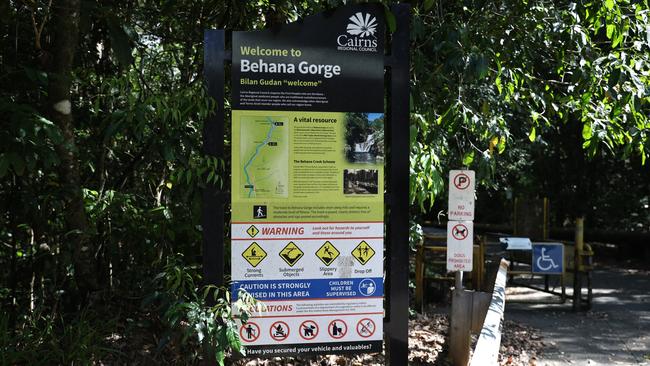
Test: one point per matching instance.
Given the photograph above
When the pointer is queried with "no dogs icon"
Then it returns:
(459, 232)
(308, 330)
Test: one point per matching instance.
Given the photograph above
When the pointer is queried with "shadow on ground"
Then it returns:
(615, 332)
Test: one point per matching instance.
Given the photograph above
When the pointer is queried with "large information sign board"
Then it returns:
(308, 182)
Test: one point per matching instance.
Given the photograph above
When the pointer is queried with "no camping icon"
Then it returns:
(279, 331)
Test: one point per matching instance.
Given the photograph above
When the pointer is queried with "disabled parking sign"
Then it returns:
(548, 258)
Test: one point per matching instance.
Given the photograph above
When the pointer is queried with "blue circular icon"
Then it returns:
(367, 287)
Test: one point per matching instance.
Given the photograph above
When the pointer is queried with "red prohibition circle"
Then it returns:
(459, 234)
(340, 332)
(308, 330)
(461, 183)
(274, 331)
(249, 332)
(366, 327)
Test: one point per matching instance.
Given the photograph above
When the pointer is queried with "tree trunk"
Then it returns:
(66, 26)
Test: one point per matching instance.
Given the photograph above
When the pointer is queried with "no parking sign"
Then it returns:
(461, 195)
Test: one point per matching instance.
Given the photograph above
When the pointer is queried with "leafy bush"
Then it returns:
(200, 318)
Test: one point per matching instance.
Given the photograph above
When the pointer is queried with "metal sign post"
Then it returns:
(460, 240)
(398, 189)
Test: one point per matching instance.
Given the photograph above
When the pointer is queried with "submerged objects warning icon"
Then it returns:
(327, 253)
(252, 231)
(291, 253)
(254, 254)
(363, 252)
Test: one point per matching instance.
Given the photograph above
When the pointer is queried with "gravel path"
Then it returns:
(615, 332)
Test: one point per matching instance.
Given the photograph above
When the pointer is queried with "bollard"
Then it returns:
(577, 263)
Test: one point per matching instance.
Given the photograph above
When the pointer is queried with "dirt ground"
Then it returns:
(520, 345)
(616, 331)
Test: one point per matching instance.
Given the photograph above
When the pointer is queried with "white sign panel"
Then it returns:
(321, 285)
(460, 236)
(461, 195)
(513, 243)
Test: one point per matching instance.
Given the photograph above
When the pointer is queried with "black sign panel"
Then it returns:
(328, 62)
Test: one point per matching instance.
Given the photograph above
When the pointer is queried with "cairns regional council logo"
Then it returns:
(360, 34)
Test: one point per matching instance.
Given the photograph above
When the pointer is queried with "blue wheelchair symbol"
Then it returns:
(548, 258)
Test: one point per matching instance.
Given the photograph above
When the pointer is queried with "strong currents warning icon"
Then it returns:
(254, 254)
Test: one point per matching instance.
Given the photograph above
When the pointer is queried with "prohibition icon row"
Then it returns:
(308, 330)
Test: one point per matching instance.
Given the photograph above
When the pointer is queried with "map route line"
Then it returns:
(257, 151)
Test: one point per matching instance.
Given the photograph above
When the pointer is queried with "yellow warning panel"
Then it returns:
(327, 253)
(254, 254)
(363, 252)
(252, 231)
(291, 253)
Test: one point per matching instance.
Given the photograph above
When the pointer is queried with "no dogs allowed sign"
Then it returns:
(460, 236)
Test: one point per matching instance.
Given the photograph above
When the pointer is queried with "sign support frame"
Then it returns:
(214, 199)
(212, 211)
(396, 320)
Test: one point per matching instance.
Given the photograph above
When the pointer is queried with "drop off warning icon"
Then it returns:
(363, 252)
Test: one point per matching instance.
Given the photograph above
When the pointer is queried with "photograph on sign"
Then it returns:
(308, 182)
(461, 195)
(460, 241)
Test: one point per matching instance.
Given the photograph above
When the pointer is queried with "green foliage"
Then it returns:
(491, 74)
(202, 316)
(521, 92)
(27, 140)
(44, 339)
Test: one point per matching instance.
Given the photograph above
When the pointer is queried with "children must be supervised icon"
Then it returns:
(367, 287)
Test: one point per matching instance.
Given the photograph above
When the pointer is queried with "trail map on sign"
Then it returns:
(265, 154)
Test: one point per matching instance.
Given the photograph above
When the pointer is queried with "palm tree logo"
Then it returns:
(362, 26)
